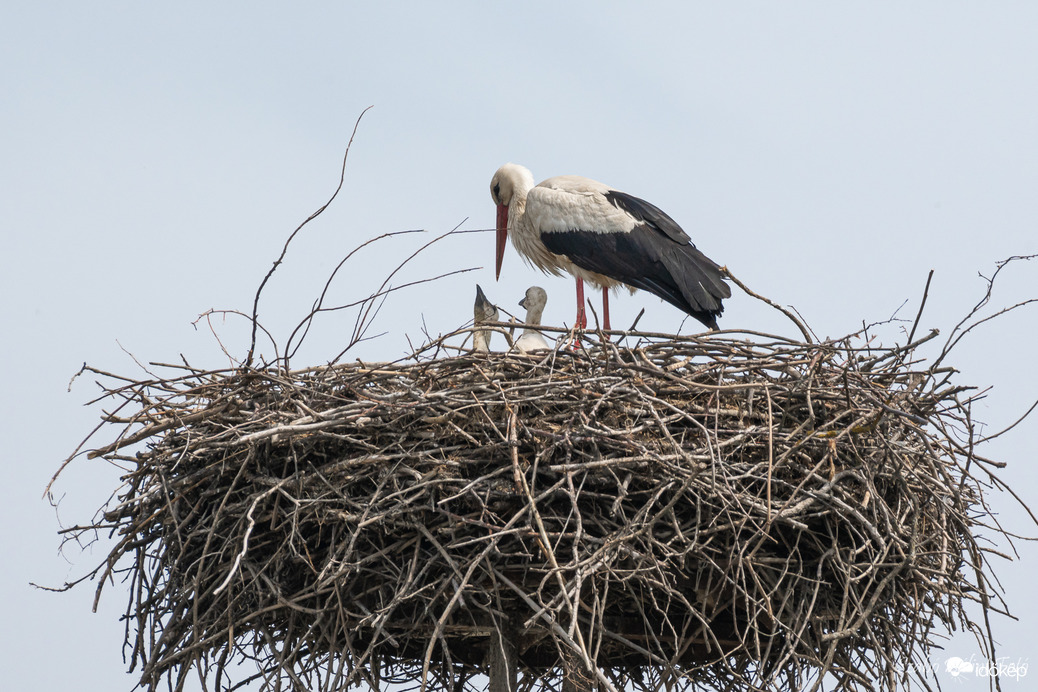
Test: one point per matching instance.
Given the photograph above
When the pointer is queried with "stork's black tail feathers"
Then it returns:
(691, 282)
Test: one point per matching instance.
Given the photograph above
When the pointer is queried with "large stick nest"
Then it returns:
(702, 511)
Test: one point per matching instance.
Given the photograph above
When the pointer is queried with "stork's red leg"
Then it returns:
(605, 309)
(581, 317)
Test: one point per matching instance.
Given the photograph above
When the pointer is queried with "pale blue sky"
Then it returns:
(153, 159)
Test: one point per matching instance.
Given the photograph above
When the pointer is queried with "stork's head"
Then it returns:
(508, 187)
(483, 310)
(535, 299)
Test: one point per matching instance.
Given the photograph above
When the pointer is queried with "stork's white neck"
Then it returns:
(481, 341)
(533, 315)
(522, 182)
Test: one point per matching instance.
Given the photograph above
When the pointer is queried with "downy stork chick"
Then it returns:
(534, 302)
(483, 311)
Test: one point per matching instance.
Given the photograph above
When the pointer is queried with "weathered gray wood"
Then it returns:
(575, 677)
(501, 654)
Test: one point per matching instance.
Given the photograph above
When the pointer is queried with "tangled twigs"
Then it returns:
(678, 512)
(284, 250)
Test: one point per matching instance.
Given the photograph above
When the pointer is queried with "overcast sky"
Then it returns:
(154, 159)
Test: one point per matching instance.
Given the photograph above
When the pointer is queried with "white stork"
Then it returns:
(482, 311)
(534, 301)
(605, 237)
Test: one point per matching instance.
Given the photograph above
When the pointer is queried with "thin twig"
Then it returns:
(284, 250)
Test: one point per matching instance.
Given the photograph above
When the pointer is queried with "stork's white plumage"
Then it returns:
(575, 225)
(532, 340)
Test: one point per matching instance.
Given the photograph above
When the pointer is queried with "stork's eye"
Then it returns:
(497, 192)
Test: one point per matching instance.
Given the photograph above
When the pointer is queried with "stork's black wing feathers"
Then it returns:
(649, 214)
(656, 256)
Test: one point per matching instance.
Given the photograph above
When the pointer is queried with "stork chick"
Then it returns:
(534, 302)
(483, 311)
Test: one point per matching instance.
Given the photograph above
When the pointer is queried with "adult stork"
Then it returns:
(606, 237)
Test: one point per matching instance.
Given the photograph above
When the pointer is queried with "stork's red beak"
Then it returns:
(502, 235)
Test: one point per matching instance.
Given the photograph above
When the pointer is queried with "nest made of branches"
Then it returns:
(710, 511)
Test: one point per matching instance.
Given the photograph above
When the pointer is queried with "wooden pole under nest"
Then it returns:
(575, 677)
(504, 673)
